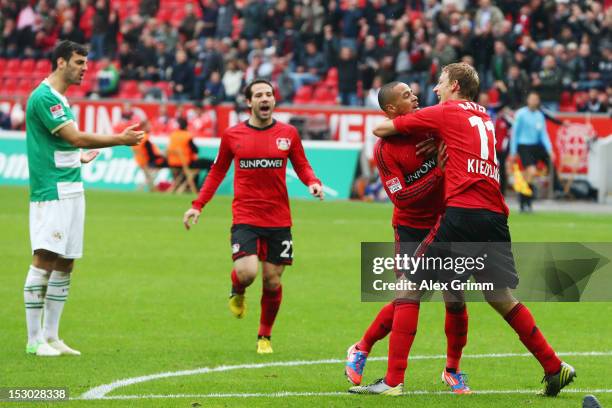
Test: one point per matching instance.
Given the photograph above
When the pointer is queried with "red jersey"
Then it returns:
(414, 185)
(260, 162)
(471, 173)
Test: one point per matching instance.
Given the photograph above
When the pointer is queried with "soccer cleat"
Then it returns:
(590, 401)
(42, 349)
(237, 305)
(60, 346)
(355, 363)
(554, 383)
(378, 387)
(264, 345)
(456, 381)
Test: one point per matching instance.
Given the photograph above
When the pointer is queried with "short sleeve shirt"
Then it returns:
(54, 164)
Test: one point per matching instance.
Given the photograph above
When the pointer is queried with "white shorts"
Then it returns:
(58, 225)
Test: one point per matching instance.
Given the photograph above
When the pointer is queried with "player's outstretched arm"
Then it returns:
(316, 190)
(385, 128)
(129, 137)
(191, 217)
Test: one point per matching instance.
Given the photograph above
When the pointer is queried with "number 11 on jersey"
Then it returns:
(483, 127)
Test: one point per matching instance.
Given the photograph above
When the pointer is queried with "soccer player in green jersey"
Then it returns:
(57, 202)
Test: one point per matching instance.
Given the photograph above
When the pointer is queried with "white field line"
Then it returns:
(334, 394)
(101, 391)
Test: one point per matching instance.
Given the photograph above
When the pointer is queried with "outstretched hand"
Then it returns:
(130, 136)
(191, 217)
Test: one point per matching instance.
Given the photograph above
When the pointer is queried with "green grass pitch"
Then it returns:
(150, 297)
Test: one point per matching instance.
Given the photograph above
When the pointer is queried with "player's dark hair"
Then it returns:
(248, 90)
(64, 50)
(182, 123)
(386, 94)
(466, 76)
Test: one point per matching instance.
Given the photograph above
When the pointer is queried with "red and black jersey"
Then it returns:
(471, 173)
(414, 185)
(260, 162)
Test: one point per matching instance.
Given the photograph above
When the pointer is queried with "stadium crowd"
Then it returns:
(324, 51)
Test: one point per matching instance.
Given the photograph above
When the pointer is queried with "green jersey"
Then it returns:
(54, 164)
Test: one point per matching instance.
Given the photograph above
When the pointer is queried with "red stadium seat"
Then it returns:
(42, 68)
(27, 68)
(3, 63)
(567, 103)
(177, 17)
(164, 15)
(129, 90)
(25, 87)
(12, 68)
(9, 87)
(324, 95)
(303, 95)
(332, 75)
(76, 92)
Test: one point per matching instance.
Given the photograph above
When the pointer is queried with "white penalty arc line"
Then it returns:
(101, 391)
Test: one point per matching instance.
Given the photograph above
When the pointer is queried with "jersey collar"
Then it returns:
(56, 93)
(246, 122)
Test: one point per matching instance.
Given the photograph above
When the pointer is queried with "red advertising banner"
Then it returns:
(342, 124)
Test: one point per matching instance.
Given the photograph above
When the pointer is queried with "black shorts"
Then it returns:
(409, 234)
(531, 154)
(273, 245)
(474, 233)
(407, 240)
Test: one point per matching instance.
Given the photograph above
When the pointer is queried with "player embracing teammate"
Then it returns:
(475, 212)
(413, 180)
(261, 227)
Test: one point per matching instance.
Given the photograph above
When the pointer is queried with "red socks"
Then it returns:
(456, 329)
(237, 287)
(270, 303)
(380, 327)
(405, 321)
(521, 320)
